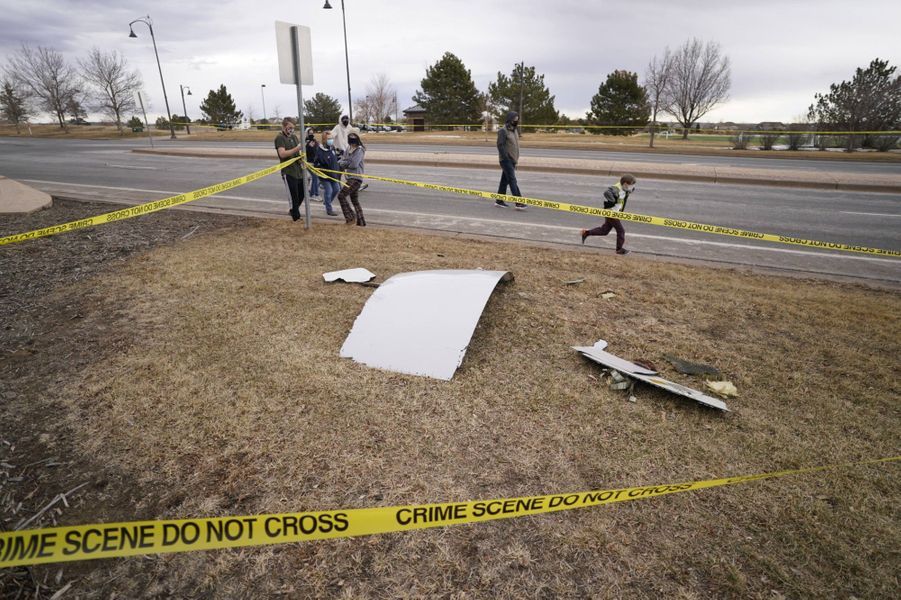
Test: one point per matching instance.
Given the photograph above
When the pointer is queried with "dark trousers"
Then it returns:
(508, 177)
(607, 226)
(295, 190)
(352, 214)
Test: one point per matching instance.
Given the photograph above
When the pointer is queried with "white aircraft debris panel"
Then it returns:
(420, 323)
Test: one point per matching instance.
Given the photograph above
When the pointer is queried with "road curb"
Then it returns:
(765, 177)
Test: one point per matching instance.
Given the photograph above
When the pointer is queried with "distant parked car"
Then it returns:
(78, 121)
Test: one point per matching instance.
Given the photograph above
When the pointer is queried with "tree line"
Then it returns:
(685, 83)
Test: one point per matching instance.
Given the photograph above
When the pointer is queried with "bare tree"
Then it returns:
(380, 95)
(657, 80)
(13, 103)
(112, 84)
(700, 81)
(47, 76)
(363, 110)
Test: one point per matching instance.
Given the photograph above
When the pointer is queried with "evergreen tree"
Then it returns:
(12, 104)
(322, 108)
(219, 108)
(523, 83)
(448, 93)
(620, 101)
(871, 101)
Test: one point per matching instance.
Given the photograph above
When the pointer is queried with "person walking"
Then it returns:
(327, 158)
(288, 146)
(352, 165)
(508, 154)
(341, 132)
(615, 198)
(311, 144)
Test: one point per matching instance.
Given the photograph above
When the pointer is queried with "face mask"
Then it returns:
(330, 142)
(628, 188)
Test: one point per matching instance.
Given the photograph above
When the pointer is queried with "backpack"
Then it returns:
(610, 197)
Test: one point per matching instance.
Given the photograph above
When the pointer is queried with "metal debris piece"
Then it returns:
(723, 388)
(690, 368)
(574, 282)
(597, 354)
(421, 323)
(607, 295)
(358, 275)
(618, 381)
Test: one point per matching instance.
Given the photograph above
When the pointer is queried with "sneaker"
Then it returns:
(331, 213)
(295, 214)
(316, 199)
(584, 234)
(501, 204)
(519, 206)
(622, 251)
(364, 186)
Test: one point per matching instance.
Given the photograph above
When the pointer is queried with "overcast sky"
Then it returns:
(782, 51)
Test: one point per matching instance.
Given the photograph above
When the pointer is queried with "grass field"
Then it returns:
(216, 389)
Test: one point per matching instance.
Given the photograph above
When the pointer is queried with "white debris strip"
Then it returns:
(358, 275)
(598, 355)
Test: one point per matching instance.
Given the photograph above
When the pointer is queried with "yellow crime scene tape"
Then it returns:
(638, 218)
(156, 205)
(111, 540)
(143, 209)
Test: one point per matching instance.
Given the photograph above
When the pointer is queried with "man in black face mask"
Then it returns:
(508, 154)
(340, 133)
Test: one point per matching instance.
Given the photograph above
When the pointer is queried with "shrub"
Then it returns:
(768, 139)
(739, 141)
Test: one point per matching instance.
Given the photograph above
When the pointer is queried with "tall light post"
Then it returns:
(263, 94)
(183, 107)
(146, 21)
(350, 104)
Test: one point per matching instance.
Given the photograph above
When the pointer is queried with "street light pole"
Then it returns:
(522, 84)
(263, 94)
(350, 104)
(183, 107)
(152, 37)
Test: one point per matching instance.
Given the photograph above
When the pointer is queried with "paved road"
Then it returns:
(101, 170)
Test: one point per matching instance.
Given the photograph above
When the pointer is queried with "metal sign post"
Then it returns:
(296, 66)
(295, 45)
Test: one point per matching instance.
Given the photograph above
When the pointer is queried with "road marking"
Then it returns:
(132, 167)
(407, 214)
(848, 212)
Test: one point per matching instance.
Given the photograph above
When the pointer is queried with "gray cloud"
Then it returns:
(781, 52)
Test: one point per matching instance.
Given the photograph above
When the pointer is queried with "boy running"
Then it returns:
(614, 199)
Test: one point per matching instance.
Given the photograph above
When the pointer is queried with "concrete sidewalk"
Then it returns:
(18, 198)
(866, 182)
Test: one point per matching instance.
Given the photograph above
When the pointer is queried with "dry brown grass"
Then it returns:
(231, 399)
(697, 145)
(81, 132)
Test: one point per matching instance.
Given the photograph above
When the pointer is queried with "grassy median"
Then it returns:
(216, 388)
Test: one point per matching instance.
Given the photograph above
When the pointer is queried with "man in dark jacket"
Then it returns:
(508, 154)
(288, 146)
